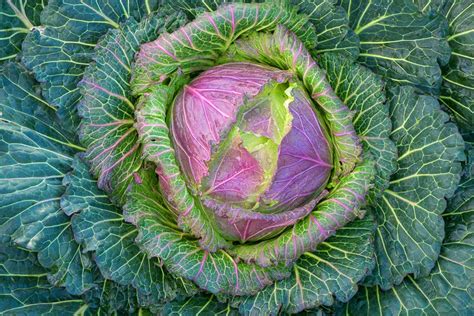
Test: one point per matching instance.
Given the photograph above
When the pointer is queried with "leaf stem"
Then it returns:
(21, 15)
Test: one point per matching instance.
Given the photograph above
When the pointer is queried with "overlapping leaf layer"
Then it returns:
(97, 217)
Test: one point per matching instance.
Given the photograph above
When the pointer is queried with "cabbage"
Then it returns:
(239, 157)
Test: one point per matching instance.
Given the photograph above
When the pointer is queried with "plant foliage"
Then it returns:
(211, 157)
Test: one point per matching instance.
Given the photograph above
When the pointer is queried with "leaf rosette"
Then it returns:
(252, 158)
(247, 156)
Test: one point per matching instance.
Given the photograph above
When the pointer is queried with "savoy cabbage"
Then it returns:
(208, 157)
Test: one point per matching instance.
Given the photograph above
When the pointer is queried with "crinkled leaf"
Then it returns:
(25, 290)
(63, 47)
(457, 91)
(107, 110)
(332, 29)
(362, 91)
(22, 105)
(196, 46)
(330, 21)
(410, 231)
(17, 18)
(447, 290)
(35, 154)
(199, 305)
(317, 278)
(468, 169)
(109, 297)
(98, 225)
(159, 236)
(398, 42)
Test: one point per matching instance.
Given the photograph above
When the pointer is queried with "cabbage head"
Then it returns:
(236, 157)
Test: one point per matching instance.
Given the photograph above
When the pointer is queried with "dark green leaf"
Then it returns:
(332, 26)
(35, 154)
(25, 290)
(199, 305)
(17, 18)
(410, 231)
(63, 47)
(99, 227)
(398, 42)
(457, 91)
(428, 6)
(448, 289)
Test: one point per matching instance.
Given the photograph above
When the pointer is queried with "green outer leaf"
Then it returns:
(283, 49)
(448, 289)
(63, 47)
(341, 206)
(22, 105)
(427, 6)
(362, 91)
(196, 46)
(159, 236)
(199, 305)
(330, 21)
(34, 157)
(398, 42)
(410, 231)
(17, 18)
(157, 148)
(107, 110)
(24, 289)
(111, 298)
(468, 169)
(457, 91)
(98, 225)
(332, 29)
(333, 270)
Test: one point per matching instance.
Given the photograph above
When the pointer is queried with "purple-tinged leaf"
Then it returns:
(107, 109)
(236, 176)
(244, 225)
(206, 108)
(196, 46)
(341, 206)
(154, 135)
(304, 159)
